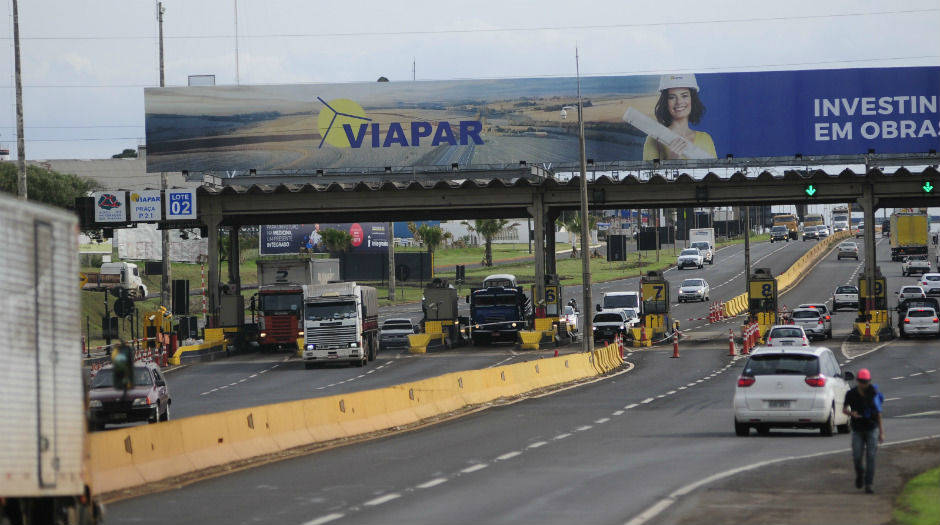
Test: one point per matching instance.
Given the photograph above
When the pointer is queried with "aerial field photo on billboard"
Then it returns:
(503, 121)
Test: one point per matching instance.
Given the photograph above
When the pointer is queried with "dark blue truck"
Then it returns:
(498, 311)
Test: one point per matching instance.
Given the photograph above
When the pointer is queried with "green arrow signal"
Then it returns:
(810, 190)
(927, 187)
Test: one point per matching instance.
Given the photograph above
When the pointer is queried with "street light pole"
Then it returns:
(164, 232)
(587, 340)
(21, 189)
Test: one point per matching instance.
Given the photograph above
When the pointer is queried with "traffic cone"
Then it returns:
(675, 344)
(730, 342)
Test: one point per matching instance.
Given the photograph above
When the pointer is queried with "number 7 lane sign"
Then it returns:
(180, 204)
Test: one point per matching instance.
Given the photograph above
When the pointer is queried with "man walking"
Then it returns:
(863, 404)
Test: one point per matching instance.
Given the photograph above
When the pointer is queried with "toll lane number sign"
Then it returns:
(180, 204)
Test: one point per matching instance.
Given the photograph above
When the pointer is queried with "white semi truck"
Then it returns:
(341, 323)
(116, 276)
(42, 393)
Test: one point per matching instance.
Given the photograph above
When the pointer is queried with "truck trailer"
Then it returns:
(908, 234)
(42, 413)
(278, 306)
(341, 324)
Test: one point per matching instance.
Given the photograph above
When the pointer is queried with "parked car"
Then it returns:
(395, 332)
(786, 335)
(930, 282)
(779, 233)
(694, 290)
(911, 292)
(809, 232)
(814, 322)
(846, 295)
(801, 388)
(847, 250)
(607, 325)
(915, 264)
(149, 399)
(920, 321)
(690, 257)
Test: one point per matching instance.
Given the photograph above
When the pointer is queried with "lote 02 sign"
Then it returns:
(180, 204)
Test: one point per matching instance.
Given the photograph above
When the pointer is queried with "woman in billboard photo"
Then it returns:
(670, 137)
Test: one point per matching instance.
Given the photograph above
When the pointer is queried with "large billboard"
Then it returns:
(473, 122)
(279, 239)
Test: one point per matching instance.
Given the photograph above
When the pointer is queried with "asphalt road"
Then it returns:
(600, 453)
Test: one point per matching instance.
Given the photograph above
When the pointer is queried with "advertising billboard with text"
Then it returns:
(278, 239)
(503, 121)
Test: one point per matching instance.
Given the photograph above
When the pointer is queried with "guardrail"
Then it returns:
(129, 457)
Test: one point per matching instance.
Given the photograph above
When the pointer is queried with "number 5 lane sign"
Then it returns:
(180, 204)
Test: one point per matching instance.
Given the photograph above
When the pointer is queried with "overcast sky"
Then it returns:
(85, 63)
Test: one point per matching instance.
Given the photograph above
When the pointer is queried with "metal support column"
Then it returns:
(747, 247)
(868, 207)
(537, 211)
(234, 273)
(551, 215)
(212, 222)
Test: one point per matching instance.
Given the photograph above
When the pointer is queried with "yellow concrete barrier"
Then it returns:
(176, 358)
(418, 343)
(529, 340)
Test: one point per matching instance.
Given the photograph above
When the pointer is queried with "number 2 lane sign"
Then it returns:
(180, 204)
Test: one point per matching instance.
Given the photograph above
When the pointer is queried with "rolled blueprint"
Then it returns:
(674, 142)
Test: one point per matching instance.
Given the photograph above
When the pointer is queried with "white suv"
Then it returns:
(930, 282)
(690, 257)
(920, 321)
(795, 388)
(787, 335)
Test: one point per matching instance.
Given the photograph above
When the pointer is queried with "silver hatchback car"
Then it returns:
(815, 323)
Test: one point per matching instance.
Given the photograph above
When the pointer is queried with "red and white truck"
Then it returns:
(279, 304)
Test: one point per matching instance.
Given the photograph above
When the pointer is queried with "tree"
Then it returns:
(336, 241)
(571, 220)
(47, 186)
(489, 229)
(430, 236)
(128, 153)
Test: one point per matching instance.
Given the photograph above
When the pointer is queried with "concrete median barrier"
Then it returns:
(126, 458)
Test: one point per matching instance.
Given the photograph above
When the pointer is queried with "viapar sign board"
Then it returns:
(469, 122)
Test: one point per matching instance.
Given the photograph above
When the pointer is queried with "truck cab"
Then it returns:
(279, 310)
(340, 324)
(115, 276)
(499, 310)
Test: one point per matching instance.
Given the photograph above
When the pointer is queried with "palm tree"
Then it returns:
(431, 236)
(336, 241)
(489, 229)
(571, 220)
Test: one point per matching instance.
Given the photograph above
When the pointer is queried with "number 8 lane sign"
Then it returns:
(180, 204)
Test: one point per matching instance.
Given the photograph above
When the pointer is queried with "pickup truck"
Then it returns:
(915, 264)
(846, 295)
(690, 257)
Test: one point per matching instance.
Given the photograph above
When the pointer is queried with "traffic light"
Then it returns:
(122, 361)
(927, 186)
(810, 190)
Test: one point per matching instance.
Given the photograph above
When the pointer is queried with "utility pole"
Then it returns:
(747, 246)
(587, 340)
(21, 190)
(657, 234)
(164, 232)
(390, 228)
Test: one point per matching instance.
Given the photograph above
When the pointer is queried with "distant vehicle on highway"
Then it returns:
(619, 300)
(694, 290)
(779, 233)
(822, 232)
(809, 232)
(788, 220)
(911, 292)
(708, 254)
(609, 324)
(690, 257)
(814, 322)
(704, 240)
(499, 310)
(149, 400)
(847, 250)
(930, 282)
(915, 264)
(860, 230)
(846, 295)
(571, 319)
(116, 276)
(394, 333)
(786, 335)
(793, 388)
(920, 321)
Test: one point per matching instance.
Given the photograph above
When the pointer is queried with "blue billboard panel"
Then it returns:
(281, 239)
(473, 122)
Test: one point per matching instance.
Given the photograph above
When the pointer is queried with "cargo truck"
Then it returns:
(499, 310)
(114, 277)
(278, 306)
(43, 475)
(789, 220)
(704, 240)
(341, 324)
(908, 234)
(840, 219)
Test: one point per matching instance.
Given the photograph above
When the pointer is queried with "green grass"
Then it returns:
(919, 503)
(471, 254)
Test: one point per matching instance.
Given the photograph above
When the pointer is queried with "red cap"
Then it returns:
(864, 374)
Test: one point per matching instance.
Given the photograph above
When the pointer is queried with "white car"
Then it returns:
(786, 335)
(920, 321)
(915, 264)
(794, 388)
(694, 290)
(570, 317)
(911, 292)
(690, 257)
(814, 322)
(930, 282)
(708, 254)
(845, 295)
(613, 301)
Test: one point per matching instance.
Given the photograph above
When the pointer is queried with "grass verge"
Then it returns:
(919, 503)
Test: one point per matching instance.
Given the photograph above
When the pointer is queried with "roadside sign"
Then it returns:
(762, 289)
(82, 280)
(551, 295)
(145, 206)
(180, 204)
(879, 288)
(109, 206)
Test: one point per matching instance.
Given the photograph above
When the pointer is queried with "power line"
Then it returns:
(529, 29)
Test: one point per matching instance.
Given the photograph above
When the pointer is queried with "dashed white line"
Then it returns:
(690, 384)
(618, 412)
(602, 420)
(917, 374)
(660, 396)
(537, 444)
(382, 499)
(432, 483)
(899, 377)
(632, 405)
(931, 371)
(562, 436)
(474, 468)
(683, 387)
(671, 392)
(204, 394)
(325, 519)
(253, 376)
(582, 428)
(645, 401)
(508, 455)
(892, 398)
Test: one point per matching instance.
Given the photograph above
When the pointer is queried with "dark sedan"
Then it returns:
(149, 399)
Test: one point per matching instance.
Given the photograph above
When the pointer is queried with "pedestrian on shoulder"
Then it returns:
(863, 404)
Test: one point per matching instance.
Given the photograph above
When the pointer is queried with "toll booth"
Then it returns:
(762, 299)
(873, 322)
(654, 303)
(549, 311)
(441, 318)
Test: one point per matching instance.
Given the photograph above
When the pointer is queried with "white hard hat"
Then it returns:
(678, 81)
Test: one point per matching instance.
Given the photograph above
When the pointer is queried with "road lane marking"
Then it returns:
(917, 374)
(325, 519)
(690, 384)
(382, 499)
(899, 377)
(508, 455)
(917, 414)
(892, 398)
(474, 468)
(433, 483)
(671, 392)
(538, 444)
(582, 428)
(931, 371)
(660, 396)
(683, 387)
(253, 376)
(602, 420)
(633, 405)
(618, 412)
(562, 436)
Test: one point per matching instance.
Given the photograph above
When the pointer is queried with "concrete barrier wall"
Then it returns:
(129, 457)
